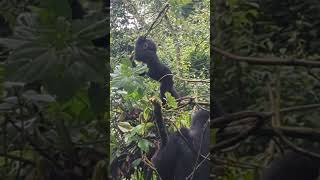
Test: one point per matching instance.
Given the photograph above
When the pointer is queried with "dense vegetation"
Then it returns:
(182, 37)
(53, 99)
(275, 31)
(53, 118)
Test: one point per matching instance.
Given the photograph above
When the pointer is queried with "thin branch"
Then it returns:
(312, 74)
(228, 118)
(234, 163)
(300, 108)
(159, 17)
(222, 121)
(296, 148)
(295, 132)
(268, 61)
(193, 80)
(243, 134)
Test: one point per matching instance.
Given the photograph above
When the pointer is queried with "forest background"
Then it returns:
(61, 128)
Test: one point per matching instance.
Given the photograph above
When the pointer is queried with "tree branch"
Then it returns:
(268, 61)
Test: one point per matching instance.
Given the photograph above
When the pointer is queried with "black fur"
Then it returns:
(174, 158)
(292, 166)
(146, 52)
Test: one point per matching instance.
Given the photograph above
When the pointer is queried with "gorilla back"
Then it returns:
(292, 166)
(178, 158)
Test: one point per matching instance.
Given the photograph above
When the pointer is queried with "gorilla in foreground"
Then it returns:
(183, 155)
(292, 166)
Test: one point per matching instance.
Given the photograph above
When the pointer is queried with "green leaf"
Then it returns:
(27, 51)
(12, 43)
(33, 96)
(136, 162)
(171, 100)
(125, 126)
(63, 62)
(35, 70)
(58, 7)
(86, 115)
(90, 30)
(146, 113)
(140, 69)
(144, 145)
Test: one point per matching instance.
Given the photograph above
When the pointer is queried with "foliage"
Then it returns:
(182, 38)
(285, 29)
(53, 106)
(56, 53)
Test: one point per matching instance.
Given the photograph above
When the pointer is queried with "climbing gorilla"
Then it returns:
(146, 52)
(181, 155)
(292, 166)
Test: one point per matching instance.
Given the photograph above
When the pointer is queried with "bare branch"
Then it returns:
(268, 61)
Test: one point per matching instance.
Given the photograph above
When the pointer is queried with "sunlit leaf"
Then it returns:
(125, 126)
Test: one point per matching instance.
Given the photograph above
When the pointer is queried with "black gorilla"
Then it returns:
(146, 52)
(178, 153)
(292, 166)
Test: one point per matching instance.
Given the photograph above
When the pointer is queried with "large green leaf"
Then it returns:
(61, 58)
